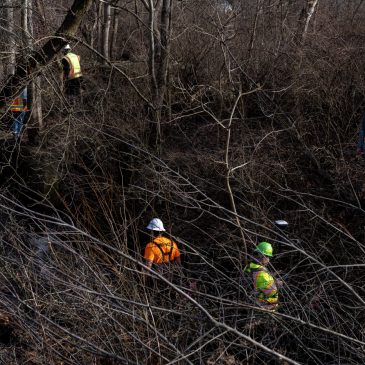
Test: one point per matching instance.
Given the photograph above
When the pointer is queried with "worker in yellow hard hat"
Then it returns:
(266, 287)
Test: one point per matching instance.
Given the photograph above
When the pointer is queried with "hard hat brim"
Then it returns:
(154, 228)
(156, 224)
(264, 254)
(281, 223)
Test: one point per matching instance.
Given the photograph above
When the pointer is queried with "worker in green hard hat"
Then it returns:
(266, 287)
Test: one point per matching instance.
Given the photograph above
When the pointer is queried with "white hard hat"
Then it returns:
(156, 225)
(281, 223)
(67, 47)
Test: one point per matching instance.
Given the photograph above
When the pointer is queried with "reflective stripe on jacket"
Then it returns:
(264, 284)
(74, 63)
(18, 105)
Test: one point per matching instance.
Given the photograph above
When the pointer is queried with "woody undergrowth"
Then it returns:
(84, 302)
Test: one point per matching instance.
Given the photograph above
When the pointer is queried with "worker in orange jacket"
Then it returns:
(161, 250)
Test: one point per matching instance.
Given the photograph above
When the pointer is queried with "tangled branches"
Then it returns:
(68, 296)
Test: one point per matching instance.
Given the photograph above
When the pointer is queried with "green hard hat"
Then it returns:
(264, 248)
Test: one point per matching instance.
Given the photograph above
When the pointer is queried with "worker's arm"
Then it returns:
(149, 255)
(145, 271)
(279, 283)
(24, 96)
(149, 263)
(176, 256)
(65, 67)
(178, 260)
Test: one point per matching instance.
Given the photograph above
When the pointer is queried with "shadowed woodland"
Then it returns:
(217, 117)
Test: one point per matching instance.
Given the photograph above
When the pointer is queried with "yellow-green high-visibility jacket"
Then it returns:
(74, 66)
(264, 284)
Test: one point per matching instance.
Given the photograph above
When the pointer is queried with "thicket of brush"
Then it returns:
(258, 122)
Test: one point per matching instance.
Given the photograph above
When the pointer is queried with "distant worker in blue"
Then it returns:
(18, 108)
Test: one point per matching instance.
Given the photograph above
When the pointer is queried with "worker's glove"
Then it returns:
(279, 283)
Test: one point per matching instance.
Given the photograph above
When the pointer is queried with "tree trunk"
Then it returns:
(106, 31)
(165, 42)
(24, 24)
(114, 37)
(40, 9)
(11, 36)
(27, 33)
(159, 57)
(94, 27)
(35, 86)
(312, 7)
(253, 30)
(304, 19)
(99, 45)
(32, 64)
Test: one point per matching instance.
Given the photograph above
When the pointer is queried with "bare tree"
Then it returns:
(259, 4)
(160, 14)
(114, 37)
(37, 110)
(106, 30)
(311, 8)
(305, 18)
(45, 55)
(234, 158)
(100, 18)
(34, 89)
(11, 35)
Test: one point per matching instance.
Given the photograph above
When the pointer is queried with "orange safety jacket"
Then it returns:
(73, 61)
(161, 250)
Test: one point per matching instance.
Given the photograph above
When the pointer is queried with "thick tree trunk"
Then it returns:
(32, 64)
